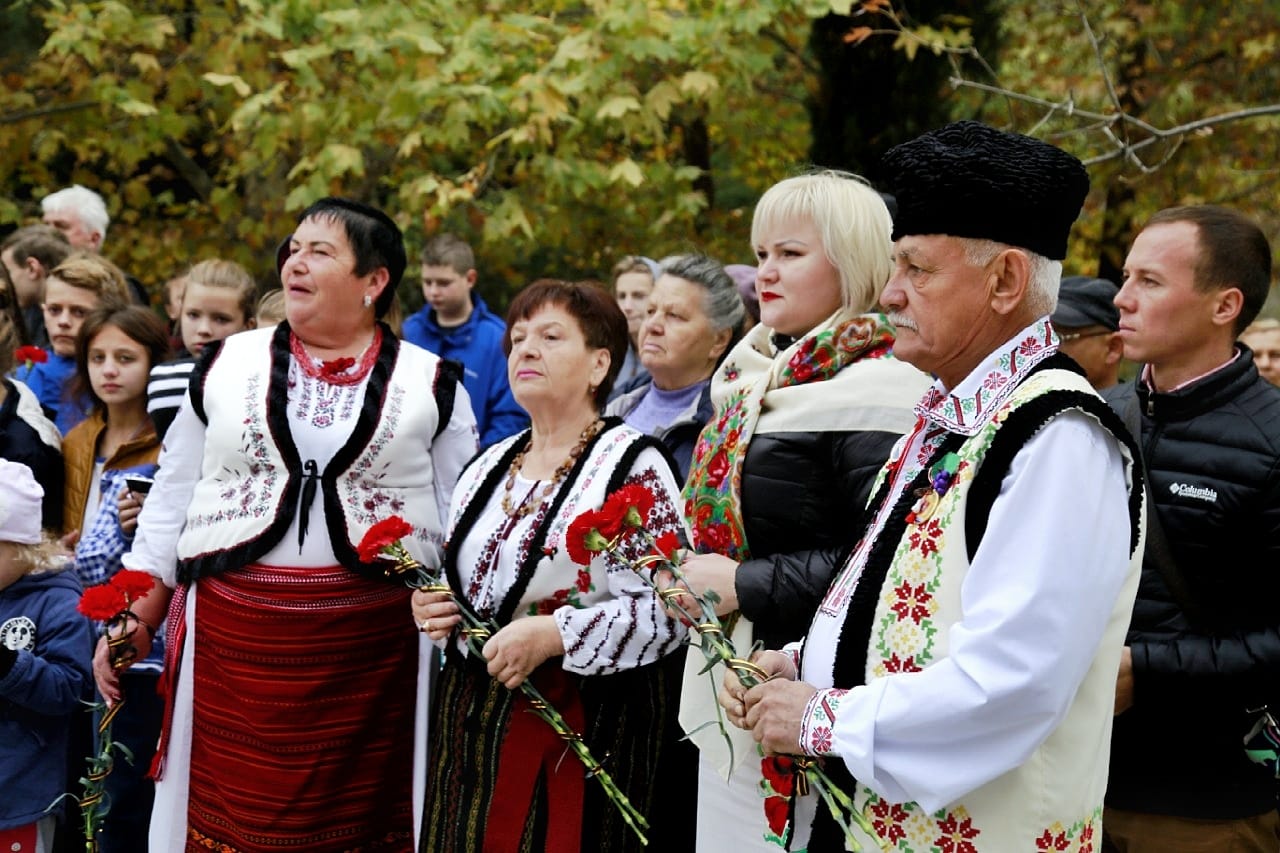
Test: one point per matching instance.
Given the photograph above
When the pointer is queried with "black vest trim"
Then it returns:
(484, 493)
(277, 419)
(477, 504)
(507, 609)
(198, 375)
(375, 399)
(1022, 423)
(445, 389)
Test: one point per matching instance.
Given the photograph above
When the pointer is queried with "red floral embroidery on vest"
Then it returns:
(957, 834)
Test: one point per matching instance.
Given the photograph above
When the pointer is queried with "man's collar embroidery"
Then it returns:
(964, 409)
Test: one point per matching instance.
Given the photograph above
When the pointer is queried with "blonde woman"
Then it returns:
(807, 407)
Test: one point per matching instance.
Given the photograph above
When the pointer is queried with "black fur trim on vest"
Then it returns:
(375, 398)
(851, 657)
(445, 389)
(198, 374)
(479, 499)
(1021, 424)
(484, 493)
(277, 418)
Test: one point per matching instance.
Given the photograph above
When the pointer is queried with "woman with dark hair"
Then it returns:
(114, 352)
(590, 638)
(26, 433)
(291, 667)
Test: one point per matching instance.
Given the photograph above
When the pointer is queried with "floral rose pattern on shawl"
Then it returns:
(712, 493)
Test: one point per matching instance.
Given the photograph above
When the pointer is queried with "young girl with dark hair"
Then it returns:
(104, 455)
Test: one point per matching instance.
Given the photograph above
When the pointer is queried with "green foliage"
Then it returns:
(554, 139)
(1169, 64)
(561, 136)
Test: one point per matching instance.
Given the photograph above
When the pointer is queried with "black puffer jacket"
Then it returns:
(27, 436)
(1212, 453)
(803, 499)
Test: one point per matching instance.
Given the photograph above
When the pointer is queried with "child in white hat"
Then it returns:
(46, 648)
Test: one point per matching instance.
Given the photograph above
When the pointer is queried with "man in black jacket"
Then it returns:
(1204, 643)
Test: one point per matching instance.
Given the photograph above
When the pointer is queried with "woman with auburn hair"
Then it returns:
(807, 408)
(590, 638)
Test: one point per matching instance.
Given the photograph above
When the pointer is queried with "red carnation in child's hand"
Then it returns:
(583, 538)
(387, 532)
(30, 355)
(635, 502)
(132, 583)
(102, 602)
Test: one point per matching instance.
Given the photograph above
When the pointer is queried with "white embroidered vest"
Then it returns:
(248, 490)
(1029, 808)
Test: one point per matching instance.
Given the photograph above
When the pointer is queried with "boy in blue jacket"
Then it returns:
(456, 324)
(46, 648)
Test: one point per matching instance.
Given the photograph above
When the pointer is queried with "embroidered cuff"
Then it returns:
(792, 651)
(818, 722)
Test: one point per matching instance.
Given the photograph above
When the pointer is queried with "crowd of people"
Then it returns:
(1000, 598)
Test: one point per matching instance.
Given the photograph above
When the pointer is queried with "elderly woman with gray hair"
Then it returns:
(695, 317)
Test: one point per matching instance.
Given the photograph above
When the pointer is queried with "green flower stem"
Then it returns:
(716, 647)
(476, 632)
(93, 801)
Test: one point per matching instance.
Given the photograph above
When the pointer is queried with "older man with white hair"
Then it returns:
(958, 678)
(80, 214)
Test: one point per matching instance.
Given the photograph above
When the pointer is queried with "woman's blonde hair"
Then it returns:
(851, 219)
(270, 310)
(219, 273)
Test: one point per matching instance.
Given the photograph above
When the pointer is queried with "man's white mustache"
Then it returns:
(903, 322)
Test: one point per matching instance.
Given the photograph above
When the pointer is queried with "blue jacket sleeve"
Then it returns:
(56, 676)
(504, 416)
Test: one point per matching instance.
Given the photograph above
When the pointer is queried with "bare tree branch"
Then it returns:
(41, 112)
(798, 55)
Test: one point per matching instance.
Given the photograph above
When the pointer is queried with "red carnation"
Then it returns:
(583, 538)
(30, 355)
(667, 545)
(610, 519)
(132, 583)
(385, 533)
(779, 771)
(637, 502)
(103, 602)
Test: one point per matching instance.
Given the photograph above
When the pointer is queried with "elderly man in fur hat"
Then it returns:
(958, 679)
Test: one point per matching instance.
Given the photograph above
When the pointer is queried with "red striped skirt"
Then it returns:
(303, 717)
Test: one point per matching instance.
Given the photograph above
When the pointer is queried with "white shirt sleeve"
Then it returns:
(164, 513)
(1034, 606)
(630, 628)
(452, 450)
